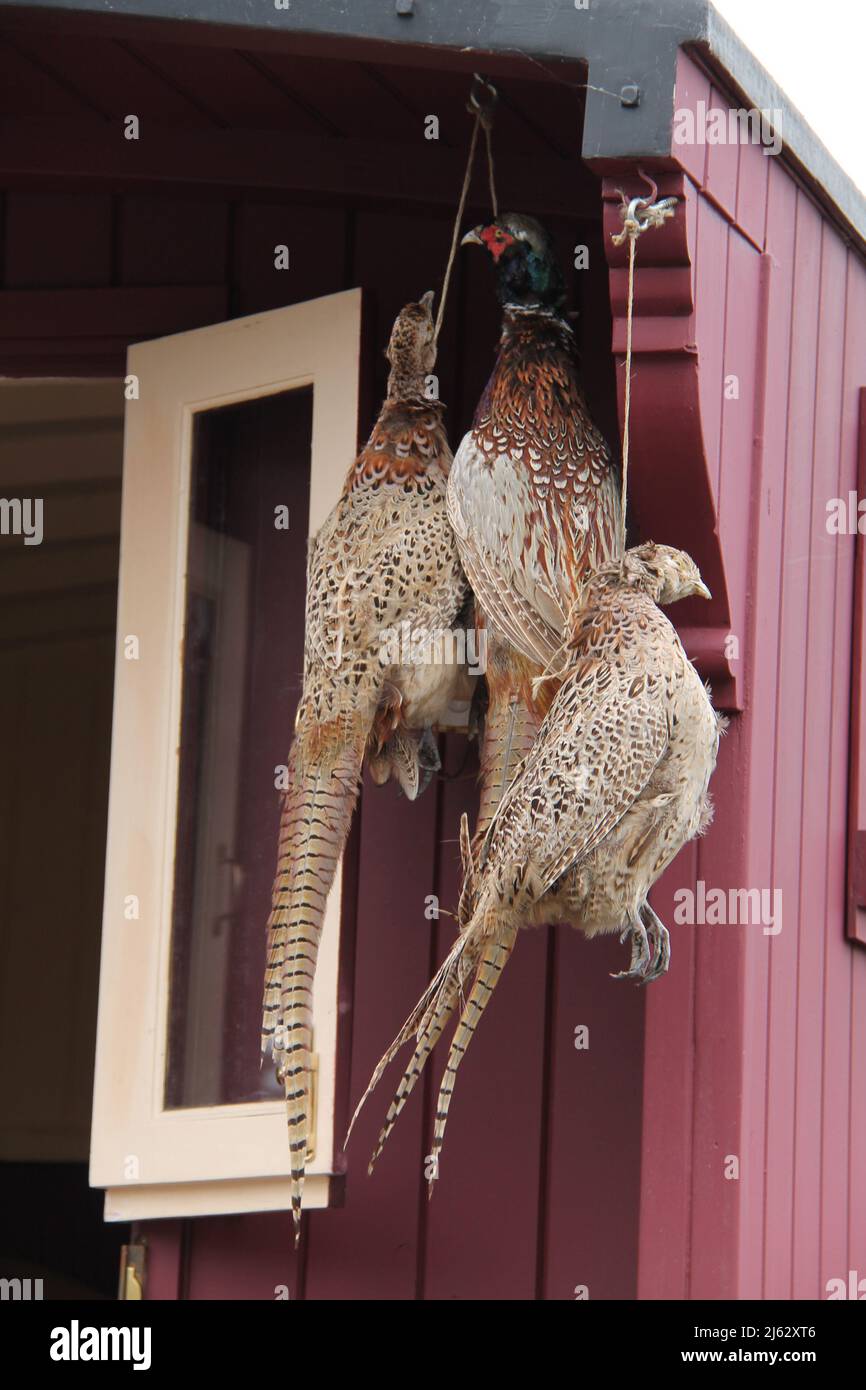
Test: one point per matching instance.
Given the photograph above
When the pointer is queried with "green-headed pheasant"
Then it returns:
(533, 496)
(384, 590)
(615, 784)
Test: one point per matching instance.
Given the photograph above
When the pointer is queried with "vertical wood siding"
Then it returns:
(779, 1075)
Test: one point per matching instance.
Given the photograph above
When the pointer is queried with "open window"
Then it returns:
(238, 439)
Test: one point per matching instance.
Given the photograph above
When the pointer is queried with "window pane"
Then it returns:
(243, 657)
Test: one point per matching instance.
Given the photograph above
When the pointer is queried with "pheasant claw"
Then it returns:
(640, 955)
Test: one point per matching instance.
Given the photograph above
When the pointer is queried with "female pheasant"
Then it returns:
(384, 590)
(616, 783)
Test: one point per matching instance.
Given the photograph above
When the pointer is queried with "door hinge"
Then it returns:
(132, 1261)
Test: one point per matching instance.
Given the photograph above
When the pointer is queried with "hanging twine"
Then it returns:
(634, 222)
(483, 113)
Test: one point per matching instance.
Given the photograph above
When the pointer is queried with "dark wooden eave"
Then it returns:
(630, 51)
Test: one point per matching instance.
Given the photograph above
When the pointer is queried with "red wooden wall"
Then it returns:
(756, 1044)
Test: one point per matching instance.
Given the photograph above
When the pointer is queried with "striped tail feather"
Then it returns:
(316, 815)
(436, 998)
(429, 1034)
(494, 954)
(510, 727)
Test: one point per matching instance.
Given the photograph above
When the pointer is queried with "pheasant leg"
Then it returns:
(640, 953)
(660, 941)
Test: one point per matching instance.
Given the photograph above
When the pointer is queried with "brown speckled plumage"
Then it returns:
(534, 498)
(384, 563)
(533, 494)
(615, 784)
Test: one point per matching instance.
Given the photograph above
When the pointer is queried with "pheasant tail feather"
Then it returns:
(494, 955)
(317, 811)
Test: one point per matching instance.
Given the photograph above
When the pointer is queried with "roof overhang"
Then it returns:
(630, 49)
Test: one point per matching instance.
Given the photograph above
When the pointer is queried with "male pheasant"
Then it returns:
(533, 496)
(384, 586)
(615, 784)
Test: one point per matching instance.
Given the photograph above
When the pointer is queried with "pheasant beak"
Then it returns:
(426, 300)
(473, 238)
(702, 590)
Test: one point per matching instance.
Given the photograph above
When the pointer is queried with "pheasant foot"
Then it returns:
(660, 942)
(640, 954)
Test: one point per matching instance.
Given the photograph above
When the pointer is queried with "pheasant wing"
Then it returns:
(597, 748)
(505, 550)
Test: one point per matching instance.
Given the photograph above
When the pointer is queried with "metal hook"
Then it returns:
(478, 104)
(662, 205)
(631, 212)
(654, 188)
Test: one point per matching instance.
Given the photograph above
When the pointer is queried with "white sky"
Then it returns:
(816, 51)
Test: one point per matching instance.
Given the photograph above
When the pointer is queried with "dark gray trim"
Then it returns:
(630, 47)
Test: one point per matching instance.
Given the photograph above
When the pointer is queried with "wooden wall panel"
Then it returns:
(592, 1148)
(836, 1060)
(664, 1246)
(741, 369)
(58, 239)
(172, 241)
(482, 1221)
(369, 1248)
(844, 955)
(723, 158)
(26, 85)
(315, 238)
(56, 674)
(770, 1099)
(819, 817)
(237, 1257)
(110, 79)
(718, 1007)
(712, 248)
(752, 183)
(778, 1020)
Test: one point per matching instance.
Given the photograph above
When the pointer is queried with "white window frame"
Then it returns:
(155, 1162)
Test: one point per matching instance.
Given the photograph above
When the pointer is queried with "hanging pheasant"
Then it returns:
(533, 497)
(383, 572)
(616, 783)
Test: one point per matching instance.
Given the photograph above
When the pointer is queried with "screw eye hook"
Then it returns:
(631, 214)
(653, 186)
(483, 97)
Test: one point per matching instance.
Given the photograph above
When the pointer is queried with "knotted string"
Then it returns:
(633, 224)
(483, 113)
